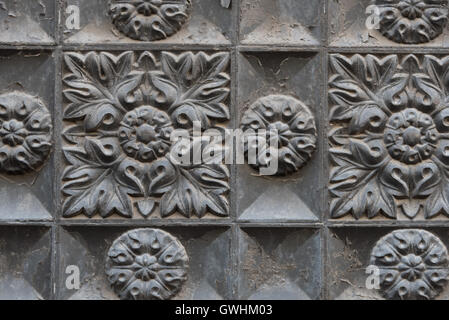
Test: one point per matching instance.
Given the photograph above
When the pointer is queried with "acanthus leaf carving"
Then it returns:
(389, 137)
(122, 111)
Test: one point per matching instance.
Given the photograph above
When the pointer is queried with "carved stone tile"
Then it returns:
(273, 85)
(209, 274)
(158, 21)
(28, 22)
(388, 23)
(411, 263)
(280, 22)
(279, 263)
(121, 112)
(389, 136)
(25, 262)
(26, 136)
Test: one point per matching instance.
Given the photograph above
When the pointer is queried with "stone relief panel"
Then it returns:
(27, 142)
(413, 264)
(279, 264)
(389, 136)
(277, 91)
(121, 112)
(192, 262)
(146, 264)
(408, 264)
(176, 22)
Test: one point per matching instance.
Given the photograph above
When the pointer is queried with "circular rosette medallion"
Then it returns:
(25, 133)
(146, 264)
(413, 264)
(279, 133)
(149, 20)
(412, 21)
(145, 133)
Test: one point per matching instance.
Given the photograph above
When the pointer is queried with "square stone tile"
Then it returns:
(26, 175)
(280, 22)
(362, 23)
(202, 22)
(279, 263)
(25, 263)
(28, 22)
(209, 274)
(277, 80)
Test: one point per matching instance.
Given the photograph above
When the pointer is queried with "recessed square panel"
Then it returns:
(279, 263)
(395, 23)
(27, 22)
(25, 261)
(27, 142)
(280, 91)
(280, 22)
(368, 263)
(206, 277)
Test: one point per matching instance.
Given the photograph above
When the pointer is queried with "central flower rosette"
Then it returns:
(145, 133)
(411, 21)
(411, 264)
(411, 136)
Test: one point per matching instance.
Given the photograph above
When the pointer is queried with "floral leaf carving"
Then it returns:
(357, 185)
(197, 190)
(92, 186)
(122, 111)
(389, 150)
(357, 81)
(201, 83)
(100, 85)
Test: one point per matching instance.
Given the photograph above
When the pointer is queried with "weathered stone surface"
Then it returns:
(94, 206)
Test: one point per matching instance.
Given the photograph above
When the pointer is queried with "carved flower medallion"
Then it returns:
(149, 20)
(145, 133)
(411, 136)
(25, 133)
(413, 264)
(389, 138)
(120, 118)
(292, 126)
(146, 264)
(412, 21)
